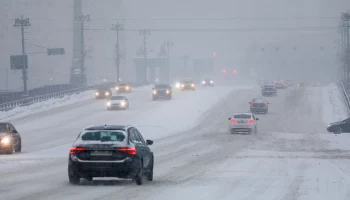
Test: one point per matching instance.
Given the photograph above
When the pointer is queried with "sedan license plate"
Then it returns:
(241, 121)
(101, 153)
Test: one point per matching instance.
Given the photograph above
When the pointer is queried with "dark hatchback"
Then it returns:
(110, 151)
(339, 127)
(103, 93)
(259, 105)
(268, 90)
(161, 91)
(10, 139)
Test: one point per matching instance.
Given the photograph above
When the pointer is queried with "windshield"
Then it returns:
(242, 116)
(122, 84)
(161, 86)
(117, 98)
(114, 136)
(259, 101)
(188, 81)
(3, 128)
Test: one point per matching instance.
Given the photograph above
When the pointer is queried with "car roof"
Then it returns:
(118, 96)
(107, 127)
(258, 98)
(103, 88)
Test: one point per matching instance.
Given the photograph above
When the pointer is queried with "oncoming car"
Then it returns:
(110, 151)
(339, 127)
(123, 87)
(243, 123)
(103, 93)
(117, 102)
(188, 84)
(208, 82)
(161, 91)
(10, 139)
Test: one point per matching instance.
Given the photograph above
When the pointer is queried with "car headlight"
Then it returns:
(108, 103)
(177, 85)
(203, 82)
(97, 94)
(182, 85)
(5, 140)
(123, 103)
(107, 93)
(192, 85)
(154, 92)
(329, 125)
(167, 91)
(127, 88)
(212, 82)
(117, 88)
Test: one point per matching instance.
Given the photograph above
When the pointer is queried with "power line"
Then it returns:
(325, 28)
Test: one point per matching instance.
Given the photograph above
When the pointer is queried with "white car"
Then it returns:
(243, 123)
(117, 102)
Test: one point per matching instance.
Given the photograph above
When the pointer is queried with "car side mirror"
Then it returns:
(149, 142)
(268, 102)
(250, 102)
(14, 131)
(257, 119)
(229, 118)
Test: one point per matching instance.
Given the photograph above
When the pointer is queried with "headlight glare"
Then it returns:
(5, 140)
(203, 82)
(108, 103)
(123, 103)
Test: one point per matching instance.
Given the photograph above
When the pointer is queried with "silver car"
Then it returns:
(243, 123)
(117, 102)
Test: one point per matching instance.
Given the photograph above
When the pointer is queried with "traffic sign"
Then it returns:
(55, 51)
(18, 62)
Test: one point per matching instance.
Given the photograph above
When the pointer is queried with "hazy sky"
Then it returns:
(52, 27)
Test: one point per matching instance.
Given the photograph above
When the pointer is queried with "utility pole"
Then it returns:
(145, 33)
(168, 44)
(118, 27)
(22, 23)
(82, 19)
(346, 42)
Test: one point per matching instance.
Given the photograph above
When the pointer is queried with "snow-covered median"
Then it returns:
(334, 107)
(45, 105)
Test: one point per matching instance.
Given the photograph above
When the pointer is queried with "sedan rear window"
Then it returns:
(242, 116)
(114, 136)
(259, 101)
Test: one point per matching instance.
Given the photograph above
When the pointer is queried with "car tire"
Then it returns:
(139, 176)
(73, 178)
(19, 148)
(337, 130)
(150, 174)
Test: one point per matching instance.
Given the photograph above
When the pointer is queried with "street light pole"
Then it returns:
(118, 27)
(22, 23)
(145, 32)
(168, 44)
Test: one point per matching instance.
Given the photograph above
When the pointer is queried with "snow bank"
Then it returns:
(334, 107)
(45, 105)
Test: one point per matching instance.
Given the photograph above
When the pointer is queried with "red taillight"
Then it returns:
(130, 151)
(251, 105)
(263, 89)
(250, 121)
(74, 150)
(233, 121)
(265, 105)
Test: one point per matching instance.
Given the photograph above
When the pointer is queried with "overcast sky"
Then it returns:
(52, 27)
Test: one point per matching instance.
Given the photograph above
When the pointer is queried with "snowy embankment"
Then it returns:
(334, 107)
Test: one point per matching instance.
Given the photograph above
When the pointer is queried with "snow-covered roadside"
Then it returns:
(50, 104)
(334, 107)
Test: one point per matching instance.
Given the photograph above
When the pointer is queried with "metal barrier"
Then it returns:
(30, 100)
(345, 95)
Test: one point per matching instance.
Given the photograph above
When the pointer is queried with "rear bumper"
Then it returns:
(115, 107)
(100, 169)
(241, 130)
(257, 109)
(268, 92)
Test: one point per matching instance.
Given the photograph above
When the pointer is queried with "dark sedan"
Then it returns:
(161, 91)
(259, 105)
(110, 151)
(339, 127)
(10, 139)
(103, 93)
(208, 82)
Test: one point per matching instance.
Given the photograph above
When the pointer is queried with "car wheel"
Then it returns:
(73, 178)
(337, 130)
(9, 150)
(19, 148)
(139, 176)
(150, 174)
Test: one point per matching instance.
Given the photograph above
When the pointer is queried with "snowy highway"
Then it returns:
(292, 156)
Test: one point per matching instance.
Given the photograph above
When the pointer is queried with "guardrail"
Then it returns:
(345, 95)
(30, 100)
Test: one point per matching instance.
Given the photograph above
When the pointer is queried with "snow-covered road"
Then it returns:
(292, 157)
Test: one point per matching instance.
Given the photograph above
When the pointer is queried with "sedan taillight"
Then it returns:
(128, 150)
(74, 150)
(233, 121)
(250, 121)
